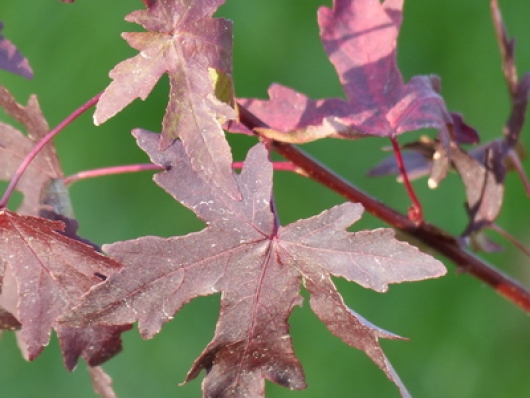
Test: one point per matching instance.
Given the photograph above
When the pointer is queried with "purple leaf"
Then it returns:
(258, 267)
(12, 60)
(183, 41)
(360, 38)
(51, 273)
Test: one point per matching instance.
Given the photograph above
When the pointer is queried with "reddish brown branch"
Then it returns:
(428, 234)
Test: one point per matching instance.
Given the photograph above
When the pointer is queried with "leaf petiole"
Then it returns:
(133, 168)
(105, 171)
(415, 212)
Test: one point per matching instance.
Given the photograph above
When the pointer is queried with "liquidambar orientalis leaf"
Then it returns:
(258, 267)
(184, 41)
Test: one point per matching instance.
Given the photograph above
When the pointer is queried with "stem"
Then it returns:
(106, 171)
(415, 211)
(428, 234)
(47, 138)
(133, 168)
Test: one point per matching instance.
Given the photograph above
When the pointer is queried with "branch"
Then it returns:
(426, 233)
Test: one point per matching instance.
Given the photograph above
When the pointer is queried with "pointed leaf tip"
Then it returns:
(12, 60)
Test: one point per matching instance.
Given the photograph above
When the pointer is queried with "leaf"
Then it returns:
(95, 345)
(424, 157)
(8, 321)
(258, 266)
(360, 38)
(45, 195)
(15, 146)
(52, 272)
(484, 182)
(483, 169)
(12, 60)
(184, 42)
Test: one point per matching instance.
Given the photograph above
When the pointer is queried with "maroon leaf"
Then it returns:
(482, 171)
(95, 344)
(16, 146)
(45, 195)
(424, 157)
(8, 321)
(184, 42)
(360, 38)
(462, 132)
(51, 273)
(484, 182)
(352, 328)
(12, 60)
(258, 267)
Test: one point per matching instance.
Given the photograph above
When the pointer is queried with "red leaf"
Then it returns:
(51, 273)
(484, 182)
(15, 146)
(360, 38)
(258, 267)
(482, 171)
(184, 42)
(95, 344)
(12, 60)
(7, 320)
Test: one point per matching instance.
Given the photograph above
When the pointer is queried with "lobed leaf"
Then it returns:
(34, 249)
(360, 39)
(15, 146)
(258, 267)
(184, 41)
(52, 272)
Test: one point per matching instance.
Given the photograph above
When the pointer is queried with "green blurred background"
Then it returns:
(465, 340)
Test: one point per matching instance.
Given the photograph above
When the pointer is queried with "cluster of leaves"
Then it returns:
(51, 278)
(484, 167)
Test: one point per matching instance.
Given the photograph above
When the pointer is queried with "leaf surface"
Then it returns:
(52, 272)
(12, 60)
(8, 321)
(360, 39)
(15, 146)
(184, 41)
(258, 267)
